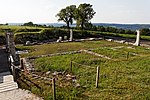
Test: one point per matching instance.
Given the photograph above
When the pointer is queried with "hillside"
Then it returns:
(124, 26)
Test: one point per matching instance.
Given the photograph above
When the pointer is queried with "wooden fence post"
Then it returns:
(9, 63)
(116, 76)
(127, 55)
(54, 91)
(14, 72)
(71, 66)
(21, 64)
(97, 76)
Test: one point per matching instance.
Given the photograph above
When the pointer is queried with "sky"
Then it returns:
(44, 11)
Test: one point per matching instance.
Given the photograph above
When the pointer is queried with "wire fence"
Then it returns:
(86, 75)
(80, 75)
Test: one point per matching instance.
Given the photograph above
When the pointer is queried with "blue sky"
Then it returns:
(44, 11)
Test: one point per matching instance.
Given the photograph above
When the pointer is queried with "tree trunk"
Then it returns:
(68, 25)
(77, 24)
(82, 25)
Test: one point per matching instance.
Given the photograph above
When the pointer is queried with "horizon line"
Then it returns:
(75, 23)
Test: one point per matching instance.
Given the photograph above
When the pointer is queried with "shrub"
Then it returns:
(48, 34)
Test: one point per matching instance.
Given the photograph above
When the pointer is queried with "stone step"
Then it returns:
(7, 78)
(5, 73)
(8, 86)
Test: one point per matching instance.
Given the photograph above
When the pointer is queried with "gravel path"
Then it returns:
(18, 94)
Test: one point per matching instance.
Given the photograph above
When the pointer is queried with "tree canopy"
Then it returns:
(67, 15)
(83, 14)
(28, 24)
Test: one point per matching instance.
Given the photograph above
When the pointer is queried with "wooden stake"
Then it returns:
(21, 64)
(97, 77)
(71, 66)
(14, 72)
(127, 55)
(54, 91)
(116, 76)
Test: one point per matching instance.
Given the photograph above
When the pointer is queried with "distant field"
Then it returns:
(126, 76)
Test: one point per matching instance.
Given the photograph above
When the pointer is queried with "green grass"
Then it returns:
(18, 29)
(29, 30)
(120, 78)
(64, 47)
(122, 52)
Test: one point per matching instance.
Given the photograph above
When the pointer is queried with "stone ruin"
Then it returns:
(137, 43)
(60, 39)
(71, 35)
(65, 37)
(10, 47)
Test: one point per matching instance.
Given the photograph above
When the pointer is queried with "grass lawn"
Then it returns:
(121, 77)
(64, 47)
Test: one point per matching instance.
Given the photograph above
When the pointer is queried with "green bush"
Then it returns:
(2, 40)
(48, 34)
(28, 30)
(82, 34)
(26, 36)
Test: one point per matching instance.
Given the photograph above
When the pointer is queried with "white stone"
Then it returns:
(68, 75)
(8, 78)
(60, 38)
(71, 35)
(137, 43)
(54, 74)
(110, 40)
(65, 37)
(122, 41)
(77, 85)
(47, 73)
(91, 39)
(28, 43)
(58, 41)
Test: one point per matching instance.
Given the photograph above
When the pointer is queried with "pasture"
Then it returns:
(125, 76)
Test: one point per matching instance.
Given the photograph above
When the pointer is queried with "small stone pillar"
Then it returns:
(137, 43)
(71, 35)
(60, 38)
(65, 37)
(7, 42)
(10, 44)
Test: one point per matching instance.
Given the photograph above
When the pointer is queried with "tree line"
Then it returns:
(91, 27)
(145, 31)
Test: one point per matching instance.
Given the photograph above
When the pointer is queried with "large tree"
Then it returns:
(84, 14)
(67, 15)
